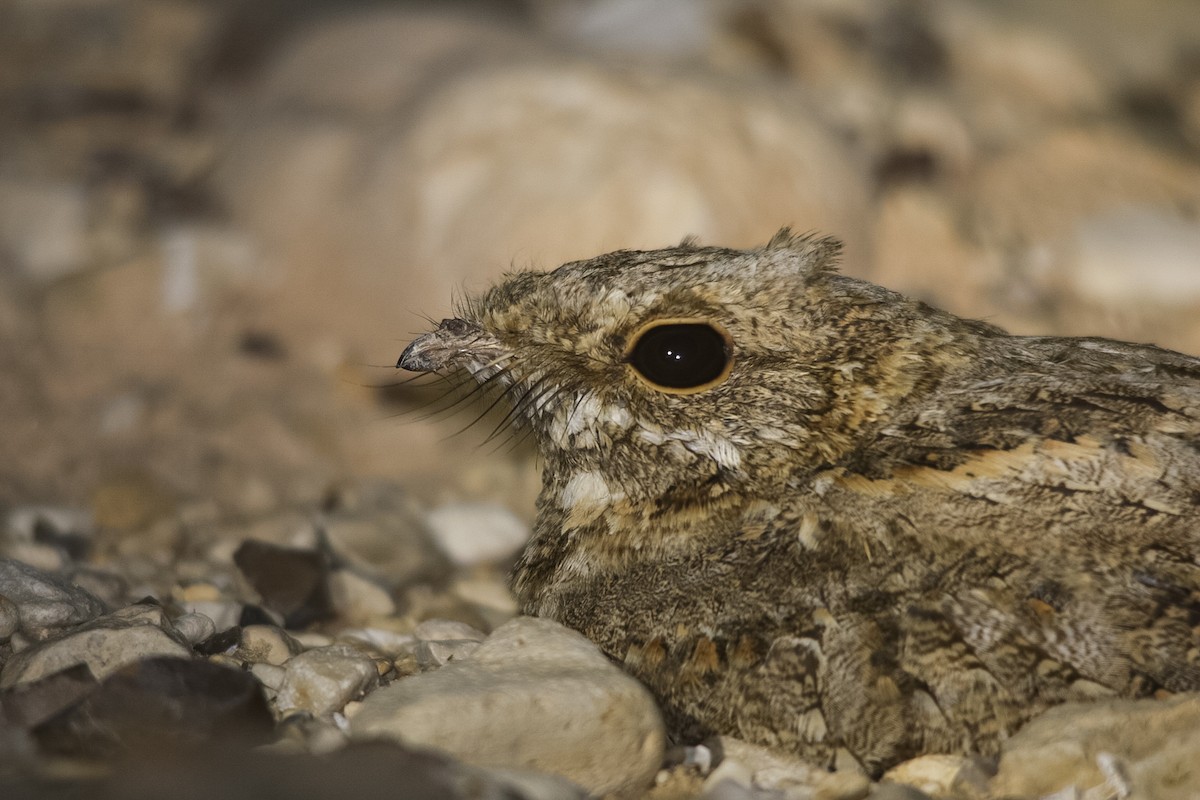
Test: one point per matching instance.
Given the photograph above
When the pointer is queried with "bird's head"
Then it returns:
(668, 379)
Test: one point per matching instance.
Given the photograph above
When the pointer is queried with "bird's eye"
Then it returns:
(681, 356)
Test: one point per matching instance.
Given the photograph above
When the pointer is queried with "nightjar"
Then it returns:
(820, 516)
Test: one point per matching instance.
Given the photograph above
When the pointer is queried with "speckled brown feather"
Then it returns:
(890, 531)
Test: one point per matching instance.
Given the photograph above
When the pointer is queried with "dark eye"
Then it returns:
(681, 357)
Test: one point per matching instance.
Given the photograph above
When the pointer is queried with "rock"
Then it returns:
(1152, 743)
(359, 771)
(660, 28)
(45, 602)
(221, 643)
(357, 599)
(1139, 256)
(897, 791)
(440, 641)
(1038, 194)
(66, 529)
(475, 533)
(269, 675)
(163, 705)
(291, 581)
(128, 503)
(731, 780)
(225, 614)
(30, 704)
(377, 530)
(1014, 78)
(922, 251)
(45, 226)
(10, 619)
(440, 630)
(437, 654)
(194, 628)
(534, 695)
(105, 645)
(772, 771)
(601, 159)
(935, 775)
(369, 62)
(267, 644)
(108, 586)
(390, 643)
(323, 680)
(1190, 113)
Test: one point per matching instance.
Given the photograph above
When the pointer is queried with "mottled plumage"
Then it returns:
(886, 530)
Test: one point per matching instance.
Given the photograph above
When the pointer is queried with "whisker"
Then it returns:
(524, 426)
(499, 397)
(519, 407)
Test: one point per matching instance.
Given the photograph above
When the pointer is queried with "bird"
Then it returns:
(820, 516)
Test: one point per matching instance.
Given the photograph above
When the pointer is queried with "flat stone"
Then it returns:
(45, 602)
(105, 645)
(323, 680)
(534, 695)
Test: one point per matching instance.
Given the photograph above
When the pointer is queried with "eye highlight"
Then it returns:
(681, 356)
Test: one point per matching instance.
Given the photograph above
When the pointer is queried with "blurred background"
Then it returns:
(221, 221)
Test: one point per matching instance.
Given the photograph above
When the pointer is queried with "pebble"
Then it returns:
(44, 557)
(1137, 255)
(438, 630)
(771, 770)
(471, 533)
(489, 594)
(195, 628)
(45, 602)
(323, 680)
(357, 599)
(105, 644)
(380, 640)
(224, 614)
(440, 653)
(267, 644)
(45, 226)
(534, 695)
(731, 779)
(111, 588)
(51, 524)
(379, 532)
(932, 774)
(269, 675)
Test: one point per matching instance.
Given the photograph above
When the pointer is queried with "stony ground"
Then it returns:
(239, 559)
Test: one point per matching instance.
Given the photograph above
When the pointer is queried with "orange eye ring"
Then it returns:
(680, 355)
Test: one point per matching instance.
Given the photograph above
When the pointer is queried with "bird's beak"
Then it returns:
(438, 349)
